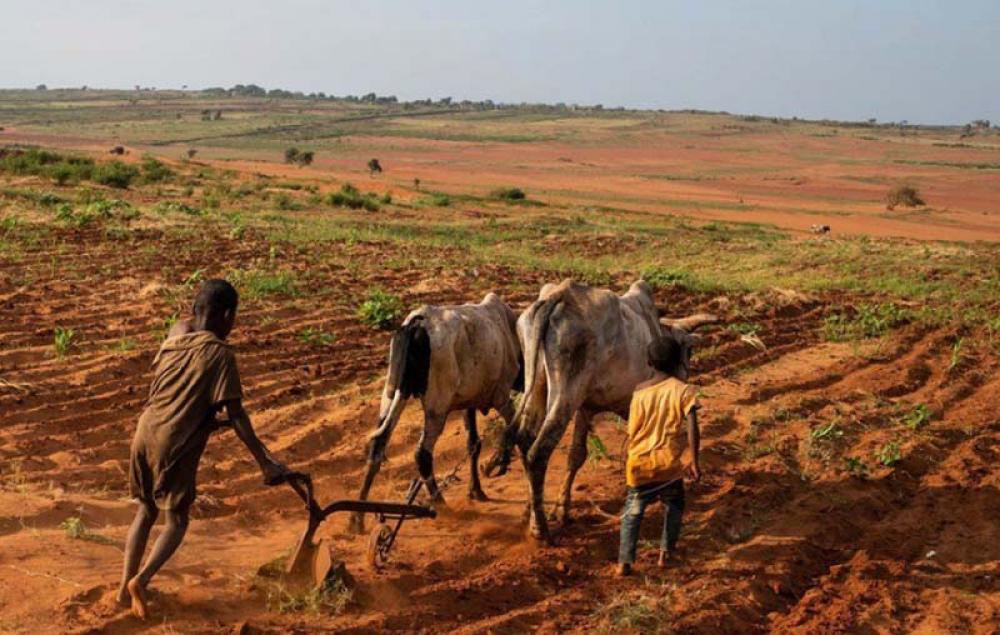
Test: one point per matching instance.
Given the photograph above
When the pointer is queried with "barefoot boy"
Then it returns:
(195, 377)
(657, 438)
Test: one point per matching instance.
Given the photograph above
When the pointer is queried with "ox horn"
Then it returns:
(690, 323)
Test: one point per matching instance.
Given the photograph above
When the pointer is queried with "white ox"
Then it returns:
(585, 351)
(452, 358)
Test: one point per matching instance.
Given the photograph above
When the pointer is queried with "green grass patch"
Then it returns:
(380, 310)
(867, 321)
(257, 283)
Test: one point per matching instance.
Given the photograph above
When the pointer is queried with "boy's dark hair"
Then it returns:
(664, 354)
(215, 296)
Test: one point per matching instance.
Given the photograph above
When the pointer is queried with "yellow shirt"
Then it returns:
(657, 436)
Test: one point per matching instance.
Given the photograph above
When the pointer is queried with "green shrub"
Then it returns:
(508, 194)
(436, 200)
(380, 310)
(350, 197)
(35, 162)
(115, 174)
(155, 171)
(904, 195)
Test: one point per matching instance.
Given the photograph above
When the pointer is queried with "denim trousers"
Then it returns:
(672, 495)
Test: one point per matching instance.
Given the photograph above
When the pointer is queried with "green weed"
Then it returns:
(856, 467)
(331, 597)
(76, 530)
(380, 310)
(917, 418)
(956, 353)
(829, 431)
(256, 284)
(316, 337)
(63, 341)
(869, 320)
(596, 450)
(889, 454)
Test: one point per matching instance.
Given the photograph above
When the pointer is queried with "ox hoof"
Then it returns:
(478, 495)
(541, 537)
(495, 467)
(560, 517)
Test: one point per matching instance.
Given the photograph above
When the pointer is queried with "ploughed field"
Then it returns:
(850, 419)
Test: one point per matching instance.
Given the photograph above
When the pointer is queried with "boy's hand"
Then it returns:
(693, 472)
(274, 473)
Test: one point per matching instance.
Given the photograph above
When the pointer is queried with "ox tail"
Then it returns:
(409, 369)
(534, 347)
(537, 330)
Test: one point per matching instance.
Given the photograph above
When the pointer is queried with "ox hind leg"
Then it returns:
(433, 427)
(474, 444)
(537, 463)
(577, 457)
(376, 455)
(500, 461)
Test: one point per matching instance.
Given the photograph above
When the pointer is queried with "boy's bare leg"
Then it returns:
(135, 546)
(164, 547)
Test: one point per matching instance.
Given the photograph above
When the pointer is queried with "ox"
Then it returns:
(584, 353)
(452, 358)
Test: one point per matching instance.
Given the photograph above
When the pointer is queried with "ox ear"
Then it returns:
(690, 323)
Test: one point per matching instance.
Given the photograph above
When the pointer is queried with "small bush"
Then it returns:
(437, 200)
(508, 194)
(350, 197)
(155, 171)
(380, 310)
(115, 174)
(904, 195)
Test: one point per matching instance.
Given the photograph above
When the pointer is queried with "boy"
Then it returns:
(195, 377)
(654, 470)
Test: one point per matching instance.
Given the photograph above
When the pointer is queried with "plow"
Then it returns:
(311, 562)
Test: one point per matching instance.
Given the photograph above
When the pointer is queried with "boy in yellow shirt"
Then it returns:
(662, 424)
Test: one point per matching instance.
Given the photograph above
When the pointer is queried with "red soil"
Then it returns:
(776, 540)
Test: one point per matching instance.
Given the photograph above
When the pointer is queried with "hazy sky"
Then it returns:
(929, 61)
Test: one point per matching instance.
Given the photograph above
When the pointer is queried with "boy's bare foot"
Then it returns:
(624, 569)
(122, 597)
(138, 594)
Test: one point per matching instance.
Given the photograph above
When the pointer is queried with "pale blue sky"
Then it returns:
(928, 61)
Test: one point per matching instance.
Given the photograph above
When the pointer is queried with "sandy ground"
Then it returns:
(778, 536)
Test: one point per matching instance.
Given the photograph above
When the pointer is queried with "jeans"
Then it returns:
(672, 495)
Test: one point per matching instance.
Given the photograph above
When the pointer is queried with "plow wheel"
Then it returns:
(379, 544)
